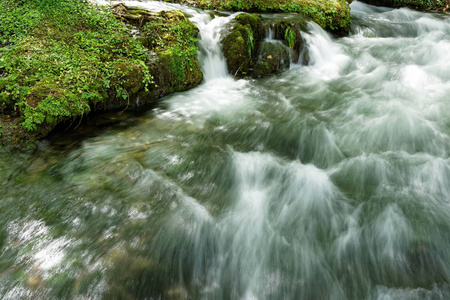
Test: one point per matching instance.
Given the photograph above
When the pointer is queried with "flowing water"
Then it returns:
(327, 181)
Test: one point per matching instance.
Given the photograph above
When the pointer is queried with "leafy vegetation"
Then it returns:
(289, 37)
(59, 58)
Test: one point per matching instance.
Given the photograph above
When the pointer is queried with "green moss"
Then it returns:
(248, 19)
(129, 75)
(236, 51)
(289, 37)
(237, 57)
(181, 72)
(239, 45)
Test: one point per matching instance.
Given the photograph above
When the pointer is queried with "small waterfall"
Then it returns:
(325, 55)
(211, 58)
(269, 34)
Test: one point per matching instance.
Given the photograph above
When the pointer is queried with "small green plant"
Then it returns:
(289, 37)
(250, 40)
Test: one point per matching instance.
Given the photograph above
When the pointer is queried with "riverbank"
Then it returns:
(61, 60)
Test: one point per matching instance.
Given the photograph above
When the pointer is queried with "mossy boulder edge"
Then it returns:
(171, 41)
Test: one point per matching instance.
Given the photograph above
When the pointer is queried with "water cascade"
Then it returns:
(327, 181)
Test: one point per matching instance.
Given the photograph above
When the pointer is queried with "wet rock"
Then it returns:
(239, 44)
(34, 279)
(249, 52)
(273, 57)
(290, 33)
(138, 17)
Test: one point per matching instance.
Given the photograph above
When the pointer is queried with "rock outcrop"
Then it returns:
(254, 46)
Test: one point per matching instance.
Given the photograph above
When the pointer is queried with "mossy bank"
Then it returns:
(62, 59)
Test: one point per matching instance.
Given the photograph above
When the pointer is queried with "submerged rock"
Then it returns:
(272, 57)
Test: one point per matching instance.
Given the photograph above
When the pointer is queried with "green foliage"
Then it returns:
(289, 37)
(250, 40)
(61, 57)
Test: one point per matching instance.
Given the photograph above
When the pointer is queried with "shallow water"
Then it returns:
(327, 181)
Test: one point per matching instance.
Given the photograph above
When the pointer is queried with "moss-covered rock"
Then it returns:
(239, 45)
(254, 21)
(171, 39)
(172, 60)
(248, 54)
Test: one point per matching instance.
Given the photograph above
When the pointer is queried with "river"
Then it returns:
(326, 181)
